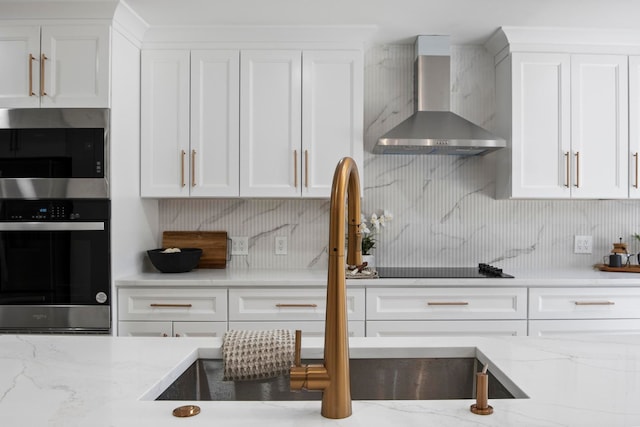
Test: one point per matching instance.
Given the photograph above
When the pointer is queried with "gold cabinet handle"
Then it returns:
(31, 59)
(43, 92)
(594, 303)
(577, 169)
(306, 168)
(170, 305)
(568, 167)
(636, 159)
(296, 305)
(182, 167)
(447, 303)
(295, 168)
(193, 168)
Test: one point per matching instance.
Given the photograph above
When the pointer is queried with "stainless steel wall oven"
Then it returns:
(54, 221)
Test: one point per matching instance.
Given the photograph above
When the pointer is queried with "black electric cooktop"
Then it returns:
(482, 271)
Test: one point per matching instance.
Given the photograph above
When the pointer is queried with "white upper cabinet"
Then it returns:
(565, 117)
(54, 66)
(634, 126)
(270, 123)
(215, 119)
(536, 161)
(248, 123)
(301, 112)
(332, 85)
(164, 118)
(599, 127)
(20, 71)
(189, 121)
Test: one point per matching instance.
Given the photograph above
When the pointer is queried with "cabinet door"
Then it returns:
(75, 65)
(332, 116)
(270, 123)
(634, 127)
(599, 134)
(20, 70)
(215, 121)
(540, 125)
(164, 116)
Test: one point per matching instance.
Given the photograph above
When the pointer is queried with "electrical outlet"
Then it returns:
(583, 245)
(281, 245)
(239, 245)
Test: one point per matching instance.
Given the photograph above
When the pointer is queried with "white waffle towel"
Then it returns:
(252, 355)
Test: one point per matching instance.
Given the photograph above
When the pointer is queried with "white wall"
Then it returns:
(134, 222)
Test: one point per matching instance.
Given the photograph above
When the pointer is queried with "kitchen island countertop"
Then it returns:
(48, 380)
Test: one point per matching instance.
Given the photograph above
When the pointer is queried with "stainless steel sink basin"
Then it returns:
(371, 379)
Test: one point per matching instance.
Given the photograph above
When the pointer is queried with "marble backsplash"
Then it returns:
(444, 209)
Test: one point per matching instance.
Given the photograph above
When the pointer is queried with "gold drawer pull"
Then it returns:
(594, 303)
(296, 305)
(447, 303)
(171, 305)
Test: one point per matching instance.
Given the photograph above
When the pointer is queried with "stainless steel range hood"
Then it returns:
(433, 128)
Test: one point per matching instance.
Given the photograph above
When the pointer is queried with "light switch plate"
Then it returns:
(583, 244)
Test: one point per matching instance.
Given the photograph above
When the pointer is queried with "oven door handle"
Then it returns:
(52, 226)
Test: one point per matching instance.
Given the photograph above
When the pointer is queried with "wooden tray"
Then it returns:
(623, 269)
(212, 243)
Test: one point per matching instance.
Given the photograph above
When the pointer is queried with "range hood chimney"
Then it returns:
(433, 128)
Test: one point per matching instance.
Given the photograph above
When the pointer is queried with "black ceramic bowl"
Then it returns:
(175, 262)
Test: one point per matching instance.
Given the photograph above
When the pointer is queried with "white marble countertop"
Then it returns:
(103, 381)
(585, 277)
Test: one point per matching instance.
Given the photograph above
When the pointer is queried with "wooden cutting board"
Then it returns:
(624, 269)
(212, 243)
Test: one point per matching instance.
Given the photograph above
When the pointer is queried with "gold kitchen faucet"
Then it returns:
(332, 377)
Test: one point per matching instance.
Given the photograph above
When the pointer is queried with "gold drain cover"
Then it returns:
(186, 411)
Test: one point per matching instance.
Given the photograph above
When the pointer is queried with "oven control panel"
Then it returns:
(54, 210)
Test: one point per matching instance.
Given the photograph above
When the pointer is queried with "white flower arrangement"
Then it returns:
(369, 228)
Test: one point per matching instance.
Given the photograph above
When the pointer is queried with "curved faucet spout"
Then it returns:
(333, 377)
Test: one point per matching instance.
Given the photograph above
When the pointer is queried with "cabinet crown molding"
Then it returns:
(261, 36)
(554, 39)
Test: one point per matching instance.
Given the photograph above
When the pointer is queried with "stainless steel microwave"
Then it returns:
(54, 153)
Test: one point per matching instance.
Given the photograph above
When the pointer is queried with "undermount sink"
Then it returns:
(425, 378)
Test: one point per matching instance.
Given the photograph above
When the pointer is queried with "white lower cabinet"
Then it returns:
(304, 309)
(172, 311)
(309, 329)
(171, 329)
(446, 328)
(565, 311)
(446, 311)
(544, 328)
(190, 310)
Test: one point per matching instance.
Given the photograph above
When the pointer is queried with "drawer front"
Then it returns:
(144, 329)
(446, 303)
(584, 303)
(554, 328)
(172, 304)
(308, 328)
(199, 329)
(443, 328)
(288, 304)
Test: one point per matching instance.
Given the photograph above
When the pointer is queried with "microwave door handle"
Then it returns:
(51, 226)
